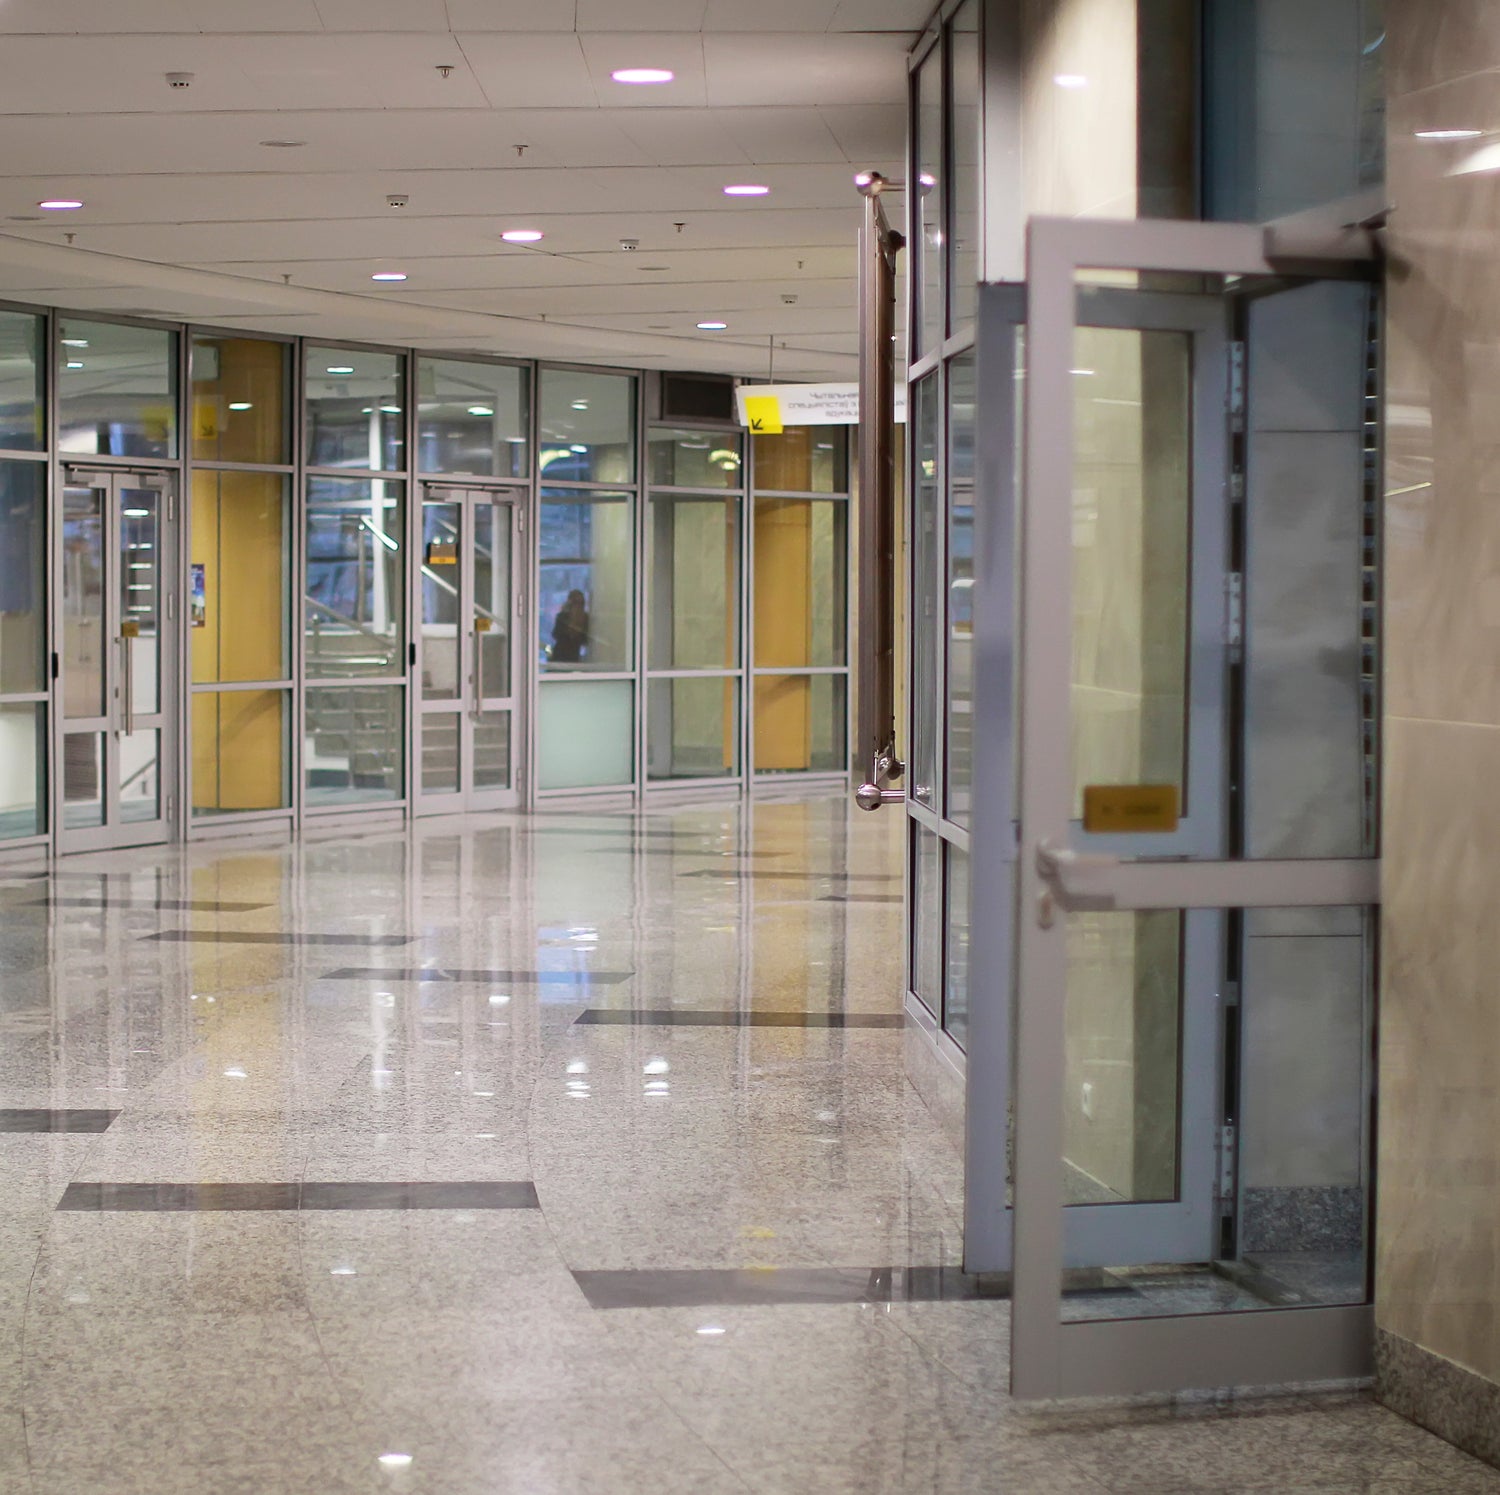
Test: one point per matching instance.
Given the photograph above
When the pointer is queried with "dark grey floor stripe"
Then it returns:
(707, 1017)
(862, 898)
(488, 978)
(175, 905)
(749, 1287)
(772, 874)
(247, 937)
(41, 1119)
(298, 1196)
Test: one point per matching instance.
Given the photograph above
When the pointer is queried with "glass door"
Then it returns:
(467, 664)
(1174, 725)
(117, 664)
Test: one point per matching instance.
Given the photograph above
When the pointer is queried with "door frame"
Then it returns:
(514, 501)
(1027, 843)
(115, 834)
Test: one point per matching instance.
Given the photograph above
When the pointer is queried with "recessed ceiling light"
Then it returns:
(521, 235)
(1070, 80)
(643, 75)
(75, 342)
(60, 204)
(390, 410)
(241, 405)
(340, 368)
(284, 145)
(581, 450)
(480, 410)
(712, 326)
(1449, 134)
(745, 189)
(395, 1460)
(580, 404)
(75, 364)
(389, 275)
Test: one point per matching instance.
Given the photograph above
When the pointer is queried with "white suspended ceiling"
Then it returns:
(189, 213)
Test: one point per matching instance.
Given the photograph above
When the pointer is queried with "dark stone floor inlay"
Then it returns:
(747, 1287)
(701, 1017)
(174, 905)
(252, 937)
(486, 978)
(42, 1119)
(169, 1198)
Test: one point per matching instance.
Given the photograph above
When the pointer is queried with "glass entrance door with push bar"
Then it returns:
(468, 667)
(1174, 849)
(117, 664)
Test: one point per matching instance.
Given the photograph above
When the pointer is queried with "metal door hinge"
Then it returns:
(171, 607)
(1234, 611)
(1224, 1187)
(1237, 385)
(171, 807)
(1231, 993)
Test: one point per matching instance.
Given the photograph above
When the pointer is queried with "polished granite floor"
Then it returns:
(457, 1161)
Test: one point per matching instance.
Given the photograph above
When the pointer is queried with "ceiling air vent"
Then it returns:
(697, 397)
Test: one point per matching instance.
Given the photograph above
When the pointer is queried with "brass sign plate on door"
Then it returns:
(130, 630)
(1122, 808)
(440, 553)
(483, 625)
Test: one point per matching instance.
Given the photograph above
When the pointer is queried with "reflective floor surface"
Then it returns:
(553, 1154)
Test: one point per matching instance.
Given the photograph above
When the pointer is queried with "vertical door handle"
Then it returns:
(481, 627)
(129, 632)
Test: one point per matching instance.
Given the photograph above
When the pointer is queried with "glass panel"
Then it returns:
(441, 731)
(21, 382)
(354, 740)
(956, 996)
(1124, 996)
(117, 390)
(926, 589)
(801, 566)
(356, 403)
(693, 728)
(695, 593)
(239, 409)
(238, 577)
(240, 751)
(492, 751)
(585, 733)
(140, 595)
(83, 602)
(586, 568)
(492, 599)
(140, 775)
(803, 459)
(23, 588)
(1297, 1096)
(799, 724)
(442, 648)
(927, 918)
(473, 418)
(1132, 415)
(960, 632)
(83, 780)
(696, 459)
(23, 769)
(355, 579)
(587, 427)
(963, 259)
(929, 204)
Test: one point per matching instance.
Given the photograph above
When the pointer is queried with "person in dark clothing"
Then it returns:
(570, 630)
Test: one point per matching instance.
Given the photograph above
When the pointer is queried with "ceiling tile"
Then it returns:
(539, 71)
(770, 69)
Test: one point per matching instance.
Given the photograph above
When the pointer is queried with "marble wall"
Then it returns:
(1438, 1276)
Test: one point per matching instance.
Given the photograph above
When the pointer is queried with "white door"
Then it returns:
(1157, 1240)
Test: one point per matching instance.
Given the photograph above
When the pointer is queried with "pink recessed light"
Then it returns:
(521, 235)
(745, 189)
(389, 275)
(60, 204)
(643, 75)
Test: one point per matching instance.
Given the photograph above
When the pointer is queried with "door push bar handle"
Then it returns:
(1073, 880)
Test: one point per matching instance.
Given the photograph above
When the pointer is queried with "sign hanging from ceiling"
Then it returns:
(770, 408)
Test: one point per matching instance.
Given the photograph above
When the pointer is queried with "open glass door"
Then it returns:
(117, 665)
(1175, 671)
(467, 651)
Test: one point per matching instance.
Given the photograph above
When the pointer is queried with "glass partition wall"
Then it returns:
(219, 593)
(943, 271)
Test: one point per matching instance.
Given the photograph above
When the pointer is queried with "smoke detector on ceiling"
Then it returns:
(630, 244)
(788, 298)
(180, 80)
(397, 200)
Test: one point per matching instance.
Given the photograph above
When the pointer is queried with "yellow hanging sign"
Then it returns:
(763, 415)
